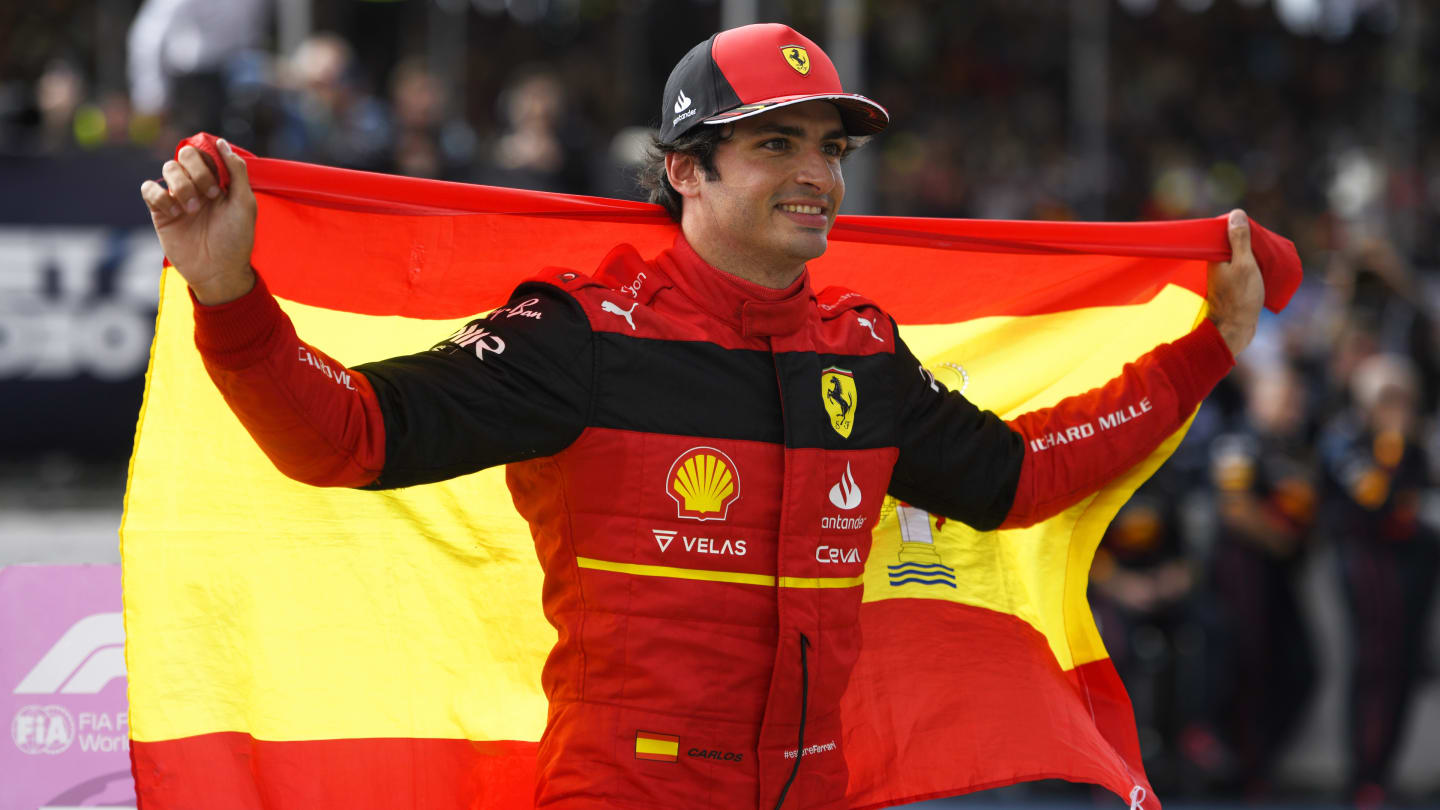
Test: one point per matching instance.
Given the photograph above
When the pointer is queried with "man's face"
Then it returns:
(779, 188)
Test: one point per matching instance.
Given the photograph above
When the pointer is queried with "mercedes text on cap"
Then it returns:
(748, 70)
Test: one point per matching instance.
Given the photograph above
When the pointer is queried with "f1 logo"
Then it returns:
(89, 656)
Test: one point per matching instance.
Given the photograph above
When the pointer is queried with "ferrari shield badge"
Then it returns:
(837, 392)
(796, 57)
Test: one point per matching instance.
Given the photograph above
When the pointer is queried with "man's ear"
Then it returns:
(684, 173)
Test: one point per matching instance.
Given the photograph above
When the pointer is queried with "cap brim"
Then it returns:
(860, 115)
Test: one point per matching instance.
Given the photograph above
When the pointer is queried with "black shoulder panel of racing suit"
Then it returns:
(511, 386)
(955, 459)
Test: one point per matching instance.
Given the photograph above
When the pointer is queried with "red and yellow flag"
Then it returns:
(292, 647)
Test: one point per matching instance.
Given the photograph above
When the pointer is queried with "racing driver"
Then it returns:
(677, 395)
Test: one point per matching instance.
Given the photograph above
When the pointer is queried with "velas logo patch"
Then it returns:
(837, 392)
(797, 58)
(703, 482)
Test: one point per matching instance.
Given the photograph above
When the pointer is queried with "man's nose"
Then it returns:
(816, 171)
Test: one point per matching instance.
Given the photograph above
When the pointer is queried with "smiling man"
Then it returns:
(700, 441)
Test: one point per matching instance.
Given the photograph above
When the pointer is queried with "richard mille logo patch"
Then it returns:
(479, 339)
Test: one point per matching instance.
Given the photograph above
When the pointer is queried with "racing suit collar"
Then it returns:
(749, 308)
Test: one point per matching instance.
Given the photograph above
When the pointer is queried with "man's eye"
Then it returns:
(834, 150)
(775, 144)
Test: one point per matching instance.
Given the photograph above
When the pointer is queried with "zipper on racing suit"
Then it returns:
(804, 705)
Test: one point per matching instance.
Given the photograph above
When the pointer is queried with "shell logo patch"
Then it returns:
(797, 58)
(703, 482)
(837, 393)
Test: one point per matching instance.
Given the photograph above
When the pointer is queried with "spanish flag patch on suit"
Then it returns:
(657, 747)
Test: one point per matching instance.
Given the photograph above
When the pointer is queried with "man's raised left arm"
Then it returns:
(970, 465)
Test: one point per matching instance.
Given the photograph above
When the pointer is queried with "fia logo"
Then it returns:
(42, 729)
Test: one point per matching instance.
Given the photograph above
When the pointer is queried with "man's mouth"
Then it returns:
(802, 209)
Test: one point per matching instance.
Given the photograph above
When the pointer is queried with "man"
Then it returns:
(680, 431)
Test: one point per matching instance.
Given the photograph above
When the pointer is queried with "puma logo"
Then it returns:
(614, 309)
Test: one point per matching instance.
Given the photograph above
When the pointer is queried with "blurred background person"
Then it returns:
(332, 118)
(428, 142)
(1266, 498)
(1375, 474)
(178, 51)
(1141, 588)
(542, 145)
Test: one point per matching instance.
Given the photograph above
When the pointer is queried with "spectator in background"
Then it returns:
(59, 92)
(69, 119)
(1266, 499)
(1140, 588)
(428, 142)
(1375, 472)
(332, 119)
(543, 146)
(178, 51)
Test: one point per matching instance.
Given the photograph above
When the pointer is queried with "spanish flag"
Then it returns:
(293, 647)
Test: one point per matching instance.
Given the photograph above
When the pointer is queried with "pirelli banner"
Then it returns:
(300, 648)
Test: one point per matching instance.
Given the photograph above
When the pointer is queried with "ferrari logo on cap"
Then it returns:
(796, 57)
(837, 391)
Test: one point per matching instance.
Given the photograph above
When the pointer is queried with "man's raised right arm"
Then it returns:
(459, 407)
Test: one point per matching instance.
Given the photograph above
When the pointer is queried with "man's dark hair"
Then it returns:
(699, 143)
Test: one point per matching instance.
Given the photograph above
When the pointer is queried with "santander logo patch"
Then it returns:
(846, 494)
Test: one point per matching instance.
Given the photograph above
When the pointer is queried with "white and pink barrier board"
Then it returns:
(62, 680)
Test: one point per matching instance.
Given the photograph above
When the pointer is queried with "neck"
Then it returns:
(741, 260)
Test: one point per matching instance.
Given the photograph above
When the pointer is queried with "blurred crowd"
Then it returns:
(1325, 445)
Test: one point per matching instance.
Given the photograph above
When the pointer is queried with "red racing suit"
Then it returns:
(701, 461)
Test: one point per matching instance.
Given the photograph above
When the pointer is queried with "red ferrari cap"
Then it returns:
(748, 70)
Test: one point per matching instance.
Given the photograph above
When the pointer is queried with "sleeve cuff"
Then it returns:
(1196, 363)
(238, 334)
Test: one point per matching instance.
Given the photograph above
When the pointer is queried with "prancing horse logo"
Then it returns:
(837, 393)
(797, 57)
